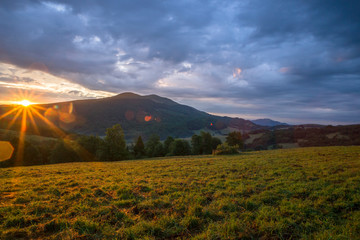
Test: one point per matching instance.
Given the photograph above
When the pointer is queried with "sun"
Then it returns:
(24, 103)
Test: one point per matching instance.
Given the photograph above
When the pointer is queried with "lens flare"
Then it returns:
(27, 117)
(6, 150)
(24, 103)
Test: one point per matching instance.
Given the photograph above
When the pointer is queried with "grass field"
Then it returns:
(310, 193)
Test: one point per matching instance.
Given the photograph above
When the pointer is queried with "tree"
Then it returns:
(90, 144)
(215, 142)
(139, 148)
(167, 144)
(63, 152)
(180, 148)
(29, 156)
(114, 146)
(159, 150)
(235, 138)
(197, 145)
(154, 147)
(206, 142)
(32, 154)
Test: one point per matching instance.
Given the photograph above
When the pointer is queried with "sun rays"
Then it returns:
(25, 103)
(28, 118)
(24, 114)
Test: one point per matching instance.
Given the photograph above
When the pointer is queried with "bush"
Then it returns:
(225, 149)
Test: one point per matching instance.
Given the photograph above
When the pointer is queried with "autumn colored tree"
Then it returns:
(235, 138)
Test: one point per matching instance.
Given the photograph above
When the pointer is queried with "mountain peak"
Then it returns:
(152, 97)
(127, 95)
(159, 99)
(267, 122)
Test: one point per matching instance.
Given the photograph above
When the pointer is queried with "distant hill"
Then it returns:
(138, 115)
(308, 135)
(268, 122)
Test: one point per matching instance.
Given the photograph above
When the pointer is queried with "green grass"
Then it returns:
(309, 193)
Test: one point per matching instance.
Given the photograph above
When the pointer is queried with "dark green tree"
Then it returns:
(196, 144)
(215, 142)
(139, 148)
(180, 148)
(114, 146)
(235, 138)
(32, 154)
(167, 144)
(206, 142)
(90, 144)
(159, 150)
(154, 147)
(63, 152)
(29, 156)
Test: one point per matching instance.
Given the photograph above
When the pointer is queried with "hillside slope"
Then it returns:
(138, 115)
(309, 135)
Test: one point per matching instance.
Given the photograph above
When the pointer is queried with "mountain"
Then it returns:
(138, 115)
(268, 122)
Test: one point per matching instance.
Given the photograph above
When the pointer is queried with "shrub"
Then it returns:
(225, 149)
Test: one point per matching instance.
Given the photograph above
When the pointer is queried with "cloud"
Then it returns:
(24, 80)
(287, 59)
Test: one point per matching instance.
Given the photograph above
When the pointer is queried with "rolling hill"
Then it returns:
(138, 115)
(268, 122)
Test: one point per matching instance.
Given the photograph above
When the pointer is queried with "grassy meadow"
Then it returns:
(309, 193)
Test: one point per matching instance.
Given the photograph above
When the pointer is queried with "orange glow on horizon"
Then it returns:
(29, 118)
(24, 103)
(24, 112)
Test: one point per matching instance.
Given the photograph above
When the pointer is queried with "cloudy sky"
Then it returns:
(293, 61)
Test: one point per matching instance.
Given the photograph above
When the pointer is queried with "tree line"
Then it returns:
(113, 147)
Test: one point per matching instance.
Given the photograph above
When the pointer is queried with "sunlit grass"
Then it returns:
(309, 193)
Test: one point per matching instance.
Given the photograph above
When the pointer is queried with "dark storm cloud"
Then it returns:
(279, 59)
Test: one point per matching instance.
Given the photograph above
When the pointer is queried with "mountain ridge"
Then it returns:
(268, 122)
(138, 115)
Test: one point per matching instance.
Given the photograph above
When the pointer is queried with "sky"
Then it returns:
(291, 61)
